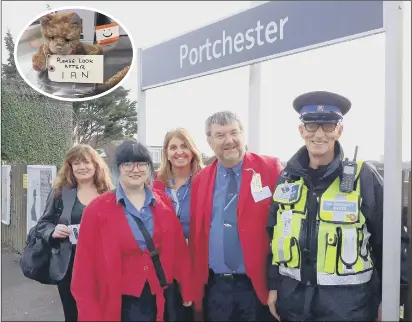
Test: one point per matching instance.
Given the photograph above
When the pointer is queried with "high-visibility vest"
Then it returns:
(343, 256)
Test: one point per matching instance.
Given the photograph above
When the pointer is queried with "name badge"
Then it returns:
(256, 183)
(287, 191)
(341, 210)
(74, 235)
(261, 195)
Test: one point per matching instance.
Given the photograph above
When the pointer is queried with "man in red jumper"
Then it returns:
(228, 241)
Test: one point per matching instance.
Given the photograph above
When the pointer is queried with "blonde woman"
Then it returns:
(181, 161)
(83, 177)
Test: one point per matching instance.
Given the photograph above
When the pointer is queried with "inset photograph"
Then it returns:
(74, 54)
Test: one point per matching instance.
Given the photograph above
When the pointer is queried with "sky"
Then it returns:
(354, 69)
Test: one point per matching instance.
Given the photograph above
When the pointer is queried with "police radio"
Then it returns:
(348, 174)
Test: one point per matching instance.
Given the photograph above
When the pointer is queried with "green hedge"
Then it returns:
(35, 129)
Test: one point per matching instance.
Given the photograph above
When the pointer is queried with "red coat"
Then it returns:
(157, 184)
(97, 273)
(252, 219)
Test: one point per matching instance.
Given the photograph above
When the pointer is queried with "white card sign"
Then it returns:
(87, 69)
(74, 233)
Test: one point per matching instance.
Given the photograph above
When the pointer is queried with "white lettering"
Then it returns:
(261, 34)
(250, 39)
(208, 44)
(282, 24)
(238, 40)
(225, 40)
(271, 28)
(216, 55)
(200, 52)
(193, 61)
(258, 28)
(182, 56)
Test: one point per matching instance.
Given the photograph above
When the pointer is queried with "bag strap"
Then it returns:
(154, 253)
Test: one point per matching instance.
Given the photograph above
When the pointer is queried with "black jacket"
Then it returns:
(61, 248)
(305, 299)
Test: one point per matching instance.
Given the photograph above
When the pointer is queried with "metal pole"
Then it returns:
(254, 106)
(392, 209)
(141, 102)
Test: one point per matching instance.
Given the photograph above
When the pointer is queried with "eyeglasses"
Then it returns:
(129, 166)
(222, 136)
(326, 127)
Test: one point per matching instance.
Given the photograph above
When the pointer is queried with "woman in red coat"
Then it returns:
(114, 278)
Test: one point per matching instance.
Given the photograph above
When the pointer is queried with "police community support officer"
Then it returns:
(326, 261)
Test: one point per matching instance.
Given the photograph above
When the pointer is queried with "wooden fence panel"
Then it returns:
(14, 235)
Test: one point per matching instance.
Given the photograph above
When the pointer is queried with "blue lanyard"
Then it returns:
(176, 199)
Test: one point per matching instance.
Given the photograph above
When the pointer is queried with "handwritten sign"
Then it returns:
(86, 69)
(107, 33)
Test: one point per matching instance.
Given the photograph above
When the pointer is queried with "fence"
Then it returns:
(14, 234)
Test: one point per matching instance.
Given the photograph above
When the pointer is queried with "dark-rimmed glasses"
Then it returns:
(326, 127)
(129, 166)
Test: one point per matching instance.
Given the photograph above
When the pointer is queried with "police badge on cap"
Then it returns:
(321, 106)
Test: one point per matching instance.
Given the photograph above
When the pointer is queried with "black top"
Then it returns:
(77, 212)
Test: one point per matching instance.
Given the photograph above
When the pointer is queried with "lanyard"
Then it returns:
(176, 199)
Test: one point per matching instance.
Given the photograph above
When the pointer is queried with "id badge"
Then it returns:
(74, 233)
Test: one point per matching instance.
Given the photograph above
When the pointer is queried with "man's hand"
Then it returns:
(273, 296)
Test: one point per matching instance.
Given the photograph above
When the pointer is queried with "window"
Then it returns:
(156, 156)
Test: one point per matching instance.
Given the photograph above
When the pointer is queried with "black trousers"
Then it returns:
(141, 308)
(232, 298)
(144, 308)
(66, 297)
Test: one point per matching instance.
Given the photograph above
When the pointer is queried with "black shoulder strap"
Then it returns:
(154, 253)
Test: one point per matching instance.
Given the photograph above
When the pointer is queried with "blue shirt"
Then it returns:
(145, 214)
(216, 254)
(181, 202)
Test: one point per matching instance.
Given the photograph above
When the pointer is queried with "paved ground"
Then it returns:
(23, 299)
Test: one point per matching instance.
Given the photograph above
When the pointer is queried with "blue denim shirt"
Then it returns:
(181, 202)
(216, 253)
(145, 214)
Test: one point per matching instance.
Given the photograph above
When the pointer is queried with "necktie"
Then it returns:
(231, 242)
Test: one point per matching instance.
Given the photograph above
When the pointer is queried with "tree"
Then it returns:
(110, 117)
(31, 123)
(9, 70)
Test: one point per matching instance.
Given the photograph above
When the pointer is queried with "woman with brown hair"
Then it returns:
(83, 177)
(181, 161)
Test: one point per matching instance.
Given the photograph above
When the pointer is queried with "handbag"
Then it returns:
(35, 260)
(173, 300)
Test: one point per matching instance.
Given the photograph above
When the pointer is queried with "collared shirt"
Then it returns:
(145, 214)
(181, 202)
(216, 253)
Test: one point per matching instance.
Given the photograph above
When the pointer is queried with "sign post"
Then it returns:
(141, 103)
(392, 208)
(254, 103)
